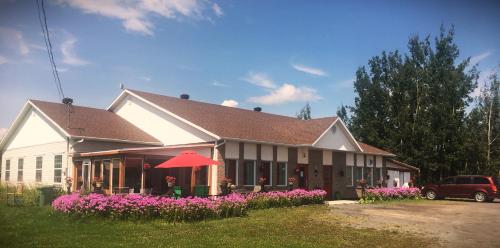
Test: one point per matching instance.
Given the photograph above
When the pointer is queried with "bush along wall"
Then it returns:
(178, 210)
(390, 194)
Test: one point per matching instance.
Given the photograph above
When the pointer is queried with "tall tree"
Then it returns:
(305, 112)
(343, 115)
(415, 105)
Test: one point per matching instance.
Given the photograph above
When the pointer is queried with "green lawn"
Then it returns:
(287, 227)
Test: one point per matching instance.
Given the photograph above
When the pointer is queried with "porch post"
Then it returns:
(214, 180)
(121, 180)
(142, 175)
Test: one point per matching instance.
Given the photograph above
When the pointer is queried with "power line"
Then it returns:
(42, 17)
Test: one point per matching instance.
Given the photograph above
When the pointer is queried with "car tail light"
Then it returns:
(493, 187)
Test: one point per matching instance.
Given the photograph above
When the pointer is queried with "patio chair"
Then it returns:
(257, 188)
(177, 192)
(201, 191)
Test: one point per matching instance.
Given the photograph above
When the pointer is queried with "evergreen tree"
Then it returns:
(342, 114)
(305, 112)
(415, 105)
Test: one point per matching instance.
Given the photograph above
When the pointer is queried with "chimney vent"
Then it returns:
(257, 109)
(67, 101)
(185, 96)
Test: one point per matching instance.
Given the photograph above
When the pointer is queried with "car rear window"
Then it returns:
(481, 180)
(463, 180)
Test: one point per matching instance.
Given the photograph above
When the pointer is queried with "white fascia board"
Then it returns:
(117, 100)
(164, 111)
(350, 136)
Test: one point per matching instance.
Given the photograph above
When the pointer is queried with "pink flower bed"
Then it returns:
(285, 199)
(145, 207)
(387, 194)
(184, 209)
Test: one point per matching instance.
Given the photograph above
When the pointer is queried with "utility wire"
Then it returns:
(42, 17)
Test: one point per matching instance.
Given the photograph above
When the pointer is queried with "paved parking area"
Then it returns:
(453, 223)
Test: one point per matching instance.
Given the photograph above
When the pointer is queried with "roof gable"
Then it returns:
(337, 137)
(32, 128)
(92, 123)
(238, 124)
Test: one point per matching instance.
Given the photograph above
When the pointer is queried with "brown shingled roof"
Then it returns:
(236, 123)
(373, 150)
(93, 123)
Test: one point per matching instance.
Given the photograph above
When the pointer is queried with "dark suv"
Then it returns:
(479, 188)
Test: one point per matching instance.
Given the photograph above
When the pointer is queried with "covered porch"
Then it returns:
(132, 170)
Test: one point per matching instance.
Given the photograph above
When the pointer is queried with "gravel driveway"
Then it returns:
(453, 223)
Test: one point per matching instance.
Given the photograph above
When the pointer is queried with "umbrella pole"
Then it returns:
(193, 179)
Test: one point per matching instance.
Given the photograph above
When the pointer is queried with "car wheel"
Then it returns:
(430, 195)
(480, 197)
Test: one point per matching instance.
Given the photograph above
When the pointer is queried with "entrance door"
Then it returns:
(302, 174)
(327, 181)
(77, 175)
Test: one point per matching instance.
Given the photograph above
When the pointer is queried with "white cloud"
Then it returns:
(217, 10)
(146, 78)
(218, 84)
(3, 60)
(309, 70)
(69, 55)
(13, 39)
(286, 93)
(348, 83)
(480, 57)
(483, 79)
(136, 15)
(229, 103)
(260, 79)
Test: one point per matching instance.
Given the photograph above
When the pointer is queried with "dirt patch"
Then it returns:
(453, 223)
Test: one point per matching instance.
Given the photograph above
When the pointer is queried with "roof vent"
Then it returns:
(67, 101)
(185, 96)
(257, 109)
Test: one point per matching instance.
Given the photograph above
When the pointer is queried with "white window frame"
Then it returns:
(286, 173)
(20, 170)
(351, 168)
(58, 169)
(38, 169)
(7, 179)
(254, 172)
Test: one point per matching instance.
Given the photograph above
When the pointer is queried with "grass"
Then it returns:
(286, 227)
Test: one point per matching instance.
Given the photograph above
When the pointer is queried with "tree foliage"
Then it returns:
(415, 105)
(305, 112)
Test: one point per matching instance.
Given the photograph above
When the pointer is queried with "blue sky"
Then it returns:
(273, 54)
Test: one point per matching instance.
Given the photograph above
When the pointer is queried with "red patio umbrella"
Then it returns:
(188, 159)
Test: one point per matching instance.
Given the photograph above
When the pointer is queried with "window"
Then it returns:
(481, 180)
(7, 170)
(231, 170)
(106, 164)
(377, 176)
(349, 175)
(116, 172)
(57, 168)
(265, 172)
(358, 174)
(463, 180)
(97, 169)
(20, 165)
(369, 176)
(282, 169)
(449, 180)
(249, 172)
(38, 169)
